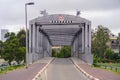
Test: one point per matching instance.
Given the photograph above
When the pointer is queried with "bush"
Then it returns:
(109, 54)
(54, 53)
(60, 55)
(65, 52)
(95, 61)
(106, 60)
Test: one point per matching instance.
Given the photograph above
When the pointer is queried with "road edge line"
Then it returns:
(84, 72)
(41, 71)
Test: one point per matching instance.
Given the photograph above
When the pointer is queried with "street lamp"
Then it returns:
(30, 3)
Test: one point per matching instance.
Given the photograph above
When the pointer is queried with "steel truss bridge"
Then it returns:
(59, 30)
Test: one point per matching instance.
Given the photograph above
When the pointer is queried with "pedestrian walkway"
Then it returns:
(26, 74)
(96, 72)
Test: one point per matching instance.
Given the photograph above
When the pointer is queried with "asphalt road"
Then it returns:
(62, 69)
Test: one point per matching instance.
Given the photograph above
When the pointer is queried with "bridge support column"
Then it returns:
(77, 46)
(43, 47)
(35, 56)
(90, 59)
(86, 44)
(37, 44)
(49, 49)
(80, 45)
(40, 44)
(30, 44)
(73, 49)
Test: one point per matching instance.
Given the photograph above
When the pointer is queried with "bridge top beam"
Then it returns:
(60, 28)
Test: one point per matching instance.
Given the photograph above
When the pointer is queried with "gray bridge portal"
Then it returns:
(58, 30)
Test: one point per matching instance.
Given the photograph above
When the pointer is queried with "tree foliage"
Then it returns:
(54, 53)
(20, 55)
(65, 52)
(109, 54)
(22, 37)
(100, 49)
(10, 47)
(1, 43)
(13, 49)
(99, 41)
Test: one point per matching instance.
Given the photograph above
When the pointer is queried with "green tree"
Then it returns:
(109, 54)
(1, 44)
(65, 52)
(13, 47)
(54, 53)
(21, 35)
(100, 39)
(20, 55)
(10, 47)
(10, 36)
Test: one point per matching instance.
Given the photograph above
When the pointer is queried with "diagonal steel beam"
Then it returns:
(42, 31)
(78, 32)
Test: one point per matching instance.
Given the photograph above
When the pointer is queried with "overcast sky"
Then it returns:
(99, 12)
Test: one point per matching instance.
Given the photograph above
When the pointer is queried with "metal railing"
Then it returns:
(116, 69)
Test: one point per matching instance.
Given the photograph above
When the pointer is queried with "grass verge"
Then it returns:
(113, 67)
(4, 70)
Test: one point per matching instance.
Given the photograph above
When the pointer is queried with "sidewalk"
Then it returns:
(96, 72)
(27, 74)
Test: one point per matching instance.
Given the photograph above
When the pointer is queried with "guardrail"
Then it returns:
(111, 68)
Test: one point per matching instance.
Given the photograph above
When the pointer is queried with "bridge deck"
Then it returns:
(62, 69)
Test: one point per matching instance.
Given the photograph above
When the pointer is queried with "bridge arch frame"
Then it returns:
(59, 29)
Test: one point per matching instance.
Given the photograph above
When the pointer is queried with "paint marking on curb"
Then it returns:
(41, 71)
(84, 72)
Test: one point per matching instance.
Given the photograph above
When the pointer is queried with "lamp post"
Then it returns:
(30, 3)
(0, 49)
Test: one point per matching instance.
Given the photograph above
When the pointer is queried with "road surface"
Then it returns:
(62, 69)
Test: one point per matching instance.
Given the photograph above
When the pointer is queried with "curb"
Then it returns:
(40, 72)
(84, 72)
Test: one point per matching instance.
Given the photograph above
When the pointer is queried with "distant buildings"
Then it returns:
(114, 44)
(3, 32)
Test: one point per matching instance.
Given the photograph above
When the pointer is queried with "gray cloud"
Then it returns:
(80, 4)
(12, 11)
